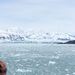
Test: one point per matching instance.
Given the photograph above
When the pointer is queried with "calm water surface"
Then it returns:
(38, 59)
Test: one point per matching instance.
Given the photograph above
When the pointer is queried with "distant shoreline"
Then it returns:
(30, 42)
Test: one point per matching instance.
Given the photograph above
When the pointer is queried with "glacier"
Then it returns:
(18, 34)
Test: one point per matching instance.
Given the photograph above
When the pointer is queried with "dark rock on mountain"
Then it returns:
(69, 42)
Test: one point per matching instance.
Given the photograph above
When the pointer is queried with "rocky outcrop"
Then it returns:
(70, 42)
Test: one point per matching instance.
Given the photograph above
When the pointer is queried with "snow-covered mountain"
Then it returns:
(17, 34)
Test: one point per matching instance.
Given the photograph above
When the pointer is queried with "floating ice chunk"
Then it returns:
(73, 73)
(17, 54)
(66, 69)
(37, 65)
(67, 74)
(17, 60)
(56, 57)
(22, 70)
(52, 62)
(12, 55)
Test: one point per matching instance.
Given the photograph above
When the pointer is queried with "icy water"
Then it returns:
(38, 59)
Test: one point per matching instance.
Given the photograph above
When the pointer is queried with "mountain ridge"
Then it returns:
(18, 34)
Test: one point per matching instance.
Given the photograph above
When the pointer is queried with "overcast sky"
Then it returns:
(55, 15)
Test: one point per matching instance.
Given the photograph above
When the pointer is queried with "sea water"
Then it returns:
(38, 59)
